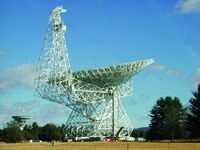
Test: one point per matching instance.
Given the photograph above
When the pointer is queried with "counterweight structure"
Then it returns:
(94, 95)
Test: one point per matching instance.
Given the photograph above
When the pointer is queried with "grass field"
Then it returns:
(101, 146)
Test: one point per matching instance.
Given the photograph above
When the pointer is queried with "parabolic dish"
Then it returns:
(20, 118)
(112, 76)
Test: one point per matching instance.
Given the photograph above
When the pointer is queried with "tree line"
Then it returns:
(12, 132)
(169, 120)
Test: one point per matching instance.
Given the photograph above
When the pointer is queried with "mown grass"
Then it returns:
(101, 146)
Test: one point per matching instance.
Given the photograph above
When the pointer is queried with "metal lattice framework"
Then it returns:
(93, 95)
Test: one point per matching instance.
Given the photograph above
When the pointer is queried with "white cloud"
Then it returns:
(19, 76)
(175, 72)
(158, 67)
(37, 111)
(187, 6)
(165, 70)
(2, 53)
(196, 78)
(52, 113)
(9, 109)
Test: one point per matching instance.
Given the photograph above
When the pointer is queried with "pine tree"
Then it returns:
(167, 120)
(12, 133)
(193, 118)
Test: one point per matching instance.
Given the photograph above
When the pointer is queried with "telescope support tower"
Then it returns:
(94, 95)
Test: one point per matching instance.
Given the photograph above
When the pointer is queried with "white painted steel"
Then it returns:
(89, 93)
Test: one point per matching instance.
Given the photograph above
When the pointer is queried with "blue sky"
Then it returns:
(101, 33)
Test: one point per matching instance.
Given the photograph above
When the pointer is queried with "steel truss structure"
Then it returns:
(93, 95)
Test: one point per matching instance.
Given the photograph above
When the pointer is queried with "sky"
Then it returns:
(101, 33)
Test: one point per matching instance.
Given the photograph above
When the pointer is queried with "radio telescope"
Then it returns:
(21, 120)
(94, 95)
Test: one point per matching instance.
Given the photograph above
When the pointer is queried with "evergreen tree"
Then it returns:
(12, 133)
(35, 130)
(27, 132)
(1, 135)
(50, 132)
(193, 118)
(139, 133)
(167, 120)
(31, 132)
